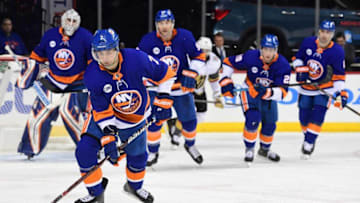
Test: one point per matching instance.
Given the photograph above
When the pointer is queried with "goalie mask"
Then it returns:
(70, 22)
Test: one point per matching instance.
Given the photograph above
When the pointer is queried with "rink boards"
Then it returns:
(17, 105)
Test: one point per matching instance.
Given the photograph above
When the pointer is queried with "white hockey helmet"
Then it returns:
(204, 43)
(73, 25)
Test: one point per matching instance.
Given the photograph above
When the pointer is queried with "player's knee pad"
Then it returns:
(138, 162)
(200, 106)
(252, 119)
(268, 128)
(318, 114)
(154, 127)
(304, 116)
(189, 125)
(86, 152)
(137, 146)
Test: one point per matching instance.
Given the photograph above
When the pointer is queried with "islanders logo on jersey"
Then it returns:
(172, 61)
(316, 69)
(64, 59)
(266, 82)
(127, 101)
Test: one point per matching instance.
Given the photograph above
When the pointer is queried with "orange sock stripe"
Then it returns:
(153, 136)
(189, 135)
(314, 127)
(251, 136)
(135, 177)
(266, 139)
(95, 177)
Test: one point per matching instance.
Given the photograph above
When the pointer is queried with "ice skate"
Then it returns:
(141, 193)
(152, 158)
(266, 153)
(92, 199)
(194, 153)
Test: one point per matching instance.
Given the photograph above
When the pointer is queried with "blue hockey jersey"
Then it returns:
(175, 53)
(318, 59)
(68, 56)
(120, 98)
(277, 72)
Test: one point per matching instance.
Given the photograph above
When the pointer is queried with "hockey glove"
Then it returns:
(108, 141)
(341, 99)
(162, 107)
(219, 100)
(188, 81)
(264, 92)
(227, 87)
(302, 73)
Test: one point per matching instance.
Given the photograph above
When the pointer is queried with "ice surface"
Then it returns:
(331, 175)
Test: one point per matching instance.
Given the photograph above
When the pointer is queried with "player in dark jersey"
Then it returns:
(265, 70)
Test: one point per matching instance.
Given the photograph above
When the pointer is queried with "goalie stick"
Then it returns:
(121, 147)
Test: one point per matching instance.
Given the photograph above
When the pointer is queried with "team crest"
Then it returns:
(64, 59)
(266, 82)
(126, 102)
(316, 70)
(172, 61)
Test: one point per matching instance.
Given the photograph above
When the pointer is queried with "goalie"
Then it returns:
(67, 49)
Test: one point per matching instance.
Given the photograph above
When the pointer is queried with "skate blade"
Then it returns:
(305, 157)
(248, 164)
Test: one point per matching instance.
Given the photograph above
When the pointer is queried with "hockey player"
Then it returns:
(211, 73)
(121, 105)
(265, 70)
(174, 47)
(67, 49)
(319, 60)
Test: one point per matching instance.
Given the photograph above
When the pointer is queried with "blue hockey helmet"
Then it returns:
(105, 39)
(270, 41)
(165, 14)
(327, 25)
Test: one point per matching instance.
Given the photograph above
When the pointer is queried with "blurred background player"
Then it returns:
(8, 37)
(211, 73)
(265, 69)
(121, 105)
(319, 60)
(175, 47)
(67, 49)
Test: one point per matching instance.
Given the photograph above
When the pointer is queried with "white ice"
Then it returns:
(332, 174)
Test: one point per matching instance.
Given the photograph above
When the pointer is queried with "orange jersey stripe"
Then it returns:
(201, 57)
(67, 79)
(169, 74)
(135, 176)
(322, 86)
(244, 101)
(103, 114)
(133, 118)
(96, 176)
(338, 77)
(227, 62)
(38, 58)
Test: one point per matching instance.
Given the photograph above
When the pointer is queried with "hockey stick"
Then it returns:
(213, 102)
(121, 147)
(40, 92)
(334, 98)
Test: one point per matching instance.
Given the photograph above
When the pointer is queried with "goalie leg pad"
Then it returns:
(37, 130)
(71, 111)
(86, 156)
